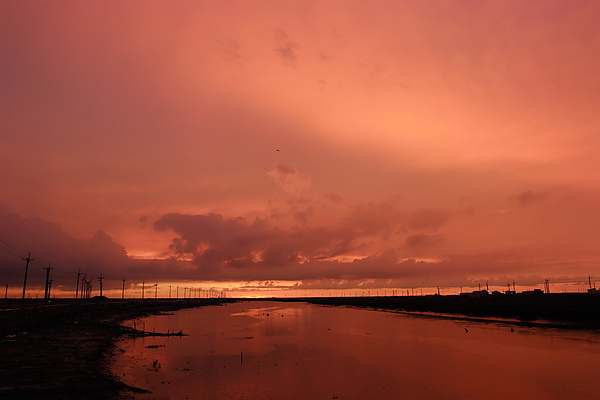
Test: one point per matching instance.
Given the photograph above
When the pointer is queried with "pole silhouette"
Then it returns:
(123, 289)
(28, 259)
(77, 286)
(47, 288)
(100, 280)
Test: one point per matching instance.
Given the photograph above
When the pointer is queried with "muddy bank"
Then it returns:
(62, 349)
(571, 310)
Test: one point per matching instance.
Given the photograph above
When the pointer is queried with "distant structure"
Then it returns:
(591, 289)
(476, 293)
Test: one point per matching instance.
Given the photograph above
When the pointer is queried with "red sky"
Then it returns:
(331, 143)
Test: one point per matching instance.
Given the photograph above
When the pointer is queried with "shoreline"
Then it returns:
(561, 311)
(63, 349)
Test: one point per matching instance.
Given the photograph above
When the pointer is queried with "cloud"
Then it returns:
(48, 243)
(529, 197)
(427, 219)
(289, 178)
(231, 51)
(234, 248)
(286, 48)
(420, 240)
(215, 247)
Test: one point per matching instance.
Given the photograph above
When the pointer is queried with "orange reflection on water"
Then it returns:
(270, 350)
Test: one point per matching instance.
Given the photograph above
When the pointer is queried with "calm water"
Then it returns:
(271, 350)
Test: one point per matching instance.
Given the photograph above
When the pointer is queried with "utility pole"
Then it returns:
(47, 288)
(28, 259)
(590, 281)
(83, 287)
(169, 291)
(100, 280)
(155, 290)
(123, 289)
(5, 290)
(143, 283)
(77, 286)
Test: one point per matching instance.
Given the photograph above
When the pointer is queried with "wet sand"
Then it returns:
(63, 349)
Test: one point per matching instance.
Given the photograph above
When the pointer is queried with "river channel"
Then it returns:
(276, 350)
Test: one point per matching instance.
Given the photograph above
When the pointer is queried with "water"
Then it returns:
(271, 350)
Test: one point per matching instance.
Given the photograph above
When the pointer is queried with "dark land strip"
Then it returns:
(63, 349)
(559, 310)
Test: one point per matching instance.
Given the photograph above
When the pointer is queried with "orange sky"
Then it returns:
(337, 142)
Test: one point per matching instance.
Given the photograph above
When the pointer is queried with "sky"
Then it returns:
(306, 144)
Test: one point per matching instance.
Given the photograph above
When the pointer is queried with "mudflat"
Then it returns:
(62, 349)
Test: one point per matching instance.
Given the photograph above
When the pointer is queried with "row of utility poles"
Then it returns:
(47, 286)
(83, 287)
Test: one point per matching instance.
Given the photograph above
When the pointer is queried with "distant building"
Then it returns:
(533, 292)
(476, 293)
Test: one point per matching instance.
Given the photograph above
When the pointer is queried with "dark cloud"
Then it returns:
(215, 247)
(375, 219)
(286, 48)
(239, 249)
(48, 244)
(529, 197)
(214, 242)
(427, 219)
(334, 198)
(231, 51)
(420, 240)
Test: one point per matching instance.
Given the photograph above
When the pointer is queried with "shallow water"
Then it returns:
(272, 350)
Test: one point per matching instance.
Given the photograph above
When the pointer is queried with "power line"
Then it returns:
(10, 249)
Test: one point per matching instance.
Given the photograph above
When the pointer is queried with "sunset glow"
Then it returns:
(321, 146)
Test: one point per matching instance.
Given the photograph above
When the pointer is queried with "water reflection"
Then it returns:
(260, 350)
